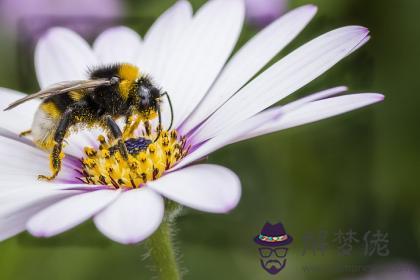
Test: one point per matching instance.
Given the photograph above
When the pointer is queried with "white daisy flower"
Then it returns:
(216, 102)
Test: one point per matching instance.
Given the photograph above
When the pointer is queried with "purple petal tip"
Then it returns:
(380, 97)
(357, 28)
(230, 206)
(130, 241)
(364, 29)
(375, 97)
(312, 7)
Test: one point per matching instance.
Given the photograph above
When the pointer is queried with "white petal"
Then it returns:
(16, 199)
(159, 53)
(20, 118)
(250, 59)
(206, 45)
(362, 43)
(247, 128)
(62, 55)
(69, 212)
(77, 141)
(312, 97)
(232, 135)
(17, 208)
(312, 112)
(117, 45)
(21, 164)
(133, 217)
(283, 78)
(161, 39)
(222, 140)
(24, 162)
(15, 224)
(206, 187)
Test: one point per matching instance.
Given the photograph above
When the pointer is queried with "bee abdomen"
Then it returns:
(45, 124)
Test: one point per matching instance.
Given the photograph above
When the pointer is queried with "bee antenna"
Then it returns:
(170, 106)
(160, 124)
(160, 115)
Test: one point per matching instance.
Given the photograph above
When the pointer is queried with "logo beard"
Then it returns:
(273, 266)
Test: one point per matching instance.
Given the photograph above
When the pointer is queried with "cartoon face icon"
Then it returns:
(273, 259)
(272, 241)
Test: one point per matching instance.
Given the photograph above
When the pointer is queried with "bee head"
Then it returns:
(148, 97)
(149, 100)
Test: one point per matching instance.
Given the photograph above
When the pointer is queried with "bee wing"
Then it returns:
(61, 88)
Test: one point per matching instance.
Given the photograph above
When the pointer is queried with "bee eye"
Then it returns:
(155, 92)
(114, 80)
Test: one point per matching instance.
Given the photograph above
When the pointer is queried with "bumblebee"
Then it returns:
(111, 92)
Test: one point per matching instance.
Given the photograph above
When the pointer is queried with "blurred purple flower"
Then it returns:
(35, 16)
(263, 12)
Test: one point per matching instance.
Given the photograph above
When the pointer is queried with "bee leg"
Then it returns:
(55, 163)
(56, 155)
(25, 133)
(130, 126)
(117, 135)
(127, 125)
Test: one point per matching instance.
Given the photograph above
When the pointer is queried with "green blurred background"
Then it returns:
(358, 171)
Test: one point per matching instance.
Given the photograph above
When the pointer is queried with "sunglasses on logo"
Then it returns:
(268, 252)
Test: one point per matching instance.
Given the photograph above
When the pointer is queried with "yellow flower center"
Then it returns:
(148, 158)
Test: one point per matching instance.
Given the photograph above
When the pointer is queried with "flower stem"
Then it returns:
(162, 252)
